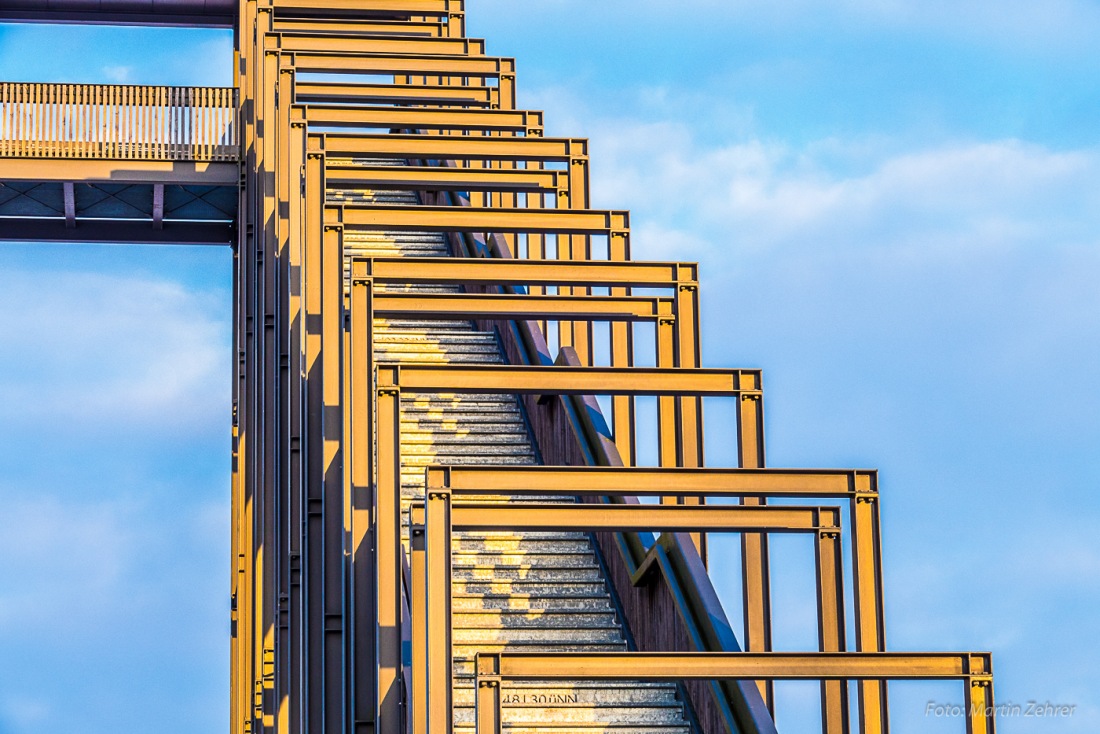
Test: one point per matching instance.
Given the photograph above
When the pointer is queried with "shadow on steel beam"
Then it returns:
(119, 171)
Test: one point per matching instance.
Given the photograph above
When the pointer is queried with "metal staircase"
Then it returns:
(541, 592)
(435, 526)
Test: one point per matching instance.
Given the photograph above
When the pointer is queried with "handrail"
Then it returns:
(124, 122)
(681, 569)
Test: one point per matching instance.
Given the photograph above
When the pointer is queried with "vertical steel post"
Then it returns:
(285, 375)
(419, 619)
(388, 554)
(668, 434)
(297, 460)
(331, 470)
(867, 581)
(981, 714)
(830, 617)
(488, 712)
(316, 672)
(437, 531)
(362, 594)
(267, 375)
(689, 409)
(754, 546)
(622, 333)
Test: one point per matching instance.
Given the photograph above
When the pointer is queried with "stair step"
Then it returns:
(477, 438)
(513, 619)
(454, 460)
(569, 561)
(587, 716)
(511, 591)
(549, 590)
(462, 604)
(554, 643)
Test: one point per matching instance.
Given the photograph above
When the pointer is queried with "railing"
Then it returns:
(118, 122)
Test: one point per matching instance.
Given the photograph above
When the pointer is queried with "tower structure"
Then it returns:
(436, 524)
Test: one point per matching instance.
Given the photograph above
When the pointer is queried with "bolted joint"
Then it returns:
(488, 683)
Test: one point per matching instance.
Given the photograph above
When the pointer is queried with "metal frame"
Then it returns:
(441, 515)
(975, 670)
(318, 610)
(307, 92)
(858, 487)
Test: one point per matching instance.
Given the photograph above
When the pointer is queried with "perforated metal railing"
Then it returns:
(118, 122)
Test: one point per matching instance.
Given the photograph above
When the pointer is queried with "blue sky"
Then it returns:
(895, 206)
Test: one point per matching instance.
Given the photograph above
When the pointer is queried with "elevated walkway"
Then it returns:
(112, 163)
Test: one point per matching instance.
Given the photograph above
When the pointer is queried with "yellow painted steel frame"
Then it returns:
(364, 305)
(858, 487)
(425, 68)
(438, 517)
(975, 670)
(318, 615)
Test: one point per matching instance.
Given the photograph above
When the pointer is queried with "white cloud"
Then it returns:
(757, 195)
(118, 74)
(108, 349)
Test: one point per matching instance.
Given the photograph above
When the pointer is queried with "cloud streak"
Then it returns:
(757, 195)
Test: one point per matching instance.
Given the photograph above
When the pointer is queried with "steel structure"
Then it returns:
(435, 525)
